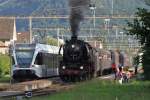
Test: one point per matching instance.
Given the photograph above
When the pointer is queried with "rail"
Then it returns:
(34, 88)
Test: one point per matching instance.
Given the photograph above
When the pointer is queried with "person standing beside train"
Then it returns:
(114, 70)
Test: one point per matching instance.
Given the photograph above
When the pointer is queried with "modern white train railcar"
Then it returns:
(33, 61)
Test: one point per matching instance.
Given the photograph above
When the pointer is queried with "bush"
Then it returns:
(52, 41)
(4, 64)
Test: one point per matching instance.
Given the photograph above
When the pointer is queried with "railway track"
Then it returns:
(55, 85)
(34, 88)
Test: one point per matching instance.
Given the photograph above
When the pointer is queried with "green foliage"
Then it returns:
(140, 27)
(5, 79)
(52, 41)
(146, 62)
(4, 64)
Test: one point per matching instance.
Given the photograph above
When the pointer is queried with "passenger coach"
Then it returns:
(33, 61)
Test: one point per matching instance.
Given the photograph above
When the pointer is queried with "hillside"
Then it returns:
(28, 7)
(105, 30)
(60, 7)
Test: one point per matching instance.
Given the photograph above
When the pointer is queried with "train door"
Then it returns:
(40, 63)
(55, 64)
(49, 62)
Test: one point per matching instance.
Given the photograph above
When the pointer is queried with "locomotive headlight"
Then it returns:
(73, 46)
(81, 67)
(63, 67)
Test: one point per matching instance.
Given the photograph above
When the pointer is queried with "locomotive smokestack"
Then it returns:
(77, 15)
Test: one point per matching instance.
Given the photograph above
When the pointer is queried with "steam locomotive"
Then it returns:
(80, 61)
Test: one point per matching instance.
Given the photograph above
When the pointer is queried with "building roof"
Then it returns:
(23, 37)
(6, 29)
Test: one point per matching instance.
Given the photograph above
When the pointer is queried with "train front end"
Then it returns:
(74, 65)
(22, 57)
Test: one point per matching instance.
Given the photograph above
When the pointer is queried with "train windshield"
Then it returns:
(24, 58)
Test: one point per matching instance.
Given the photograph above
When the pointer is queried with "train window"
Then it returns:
(39, 59)
(24, 57)
(50, 60)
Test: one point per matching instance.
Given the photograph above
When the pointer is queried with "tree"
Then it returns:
(52, 41)
(140, 27)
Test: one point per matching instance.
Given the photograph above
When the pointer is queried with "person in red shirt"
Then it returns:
(114, 70)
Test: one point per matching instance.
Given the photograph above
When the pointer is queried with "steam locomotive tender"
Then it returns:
(80, 61)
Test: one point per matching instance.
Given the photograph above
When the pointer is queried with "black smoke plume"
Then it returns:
(78, 8)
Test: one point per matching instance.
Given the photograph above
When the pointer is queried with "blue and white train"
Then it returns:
(33, 61)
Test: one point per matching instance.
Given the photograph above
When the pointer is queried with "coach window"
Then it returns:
(39, 59)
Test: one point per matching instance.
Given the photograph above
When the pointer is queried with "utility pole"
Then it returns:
(116, 39)
(58, 31)
(93, 8)
(112, 7)
(30, 28)
(107, 21)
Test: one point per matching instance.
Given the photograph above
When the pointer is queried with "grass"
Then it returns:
(5, 79)
(103, 90)
(4, 82)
